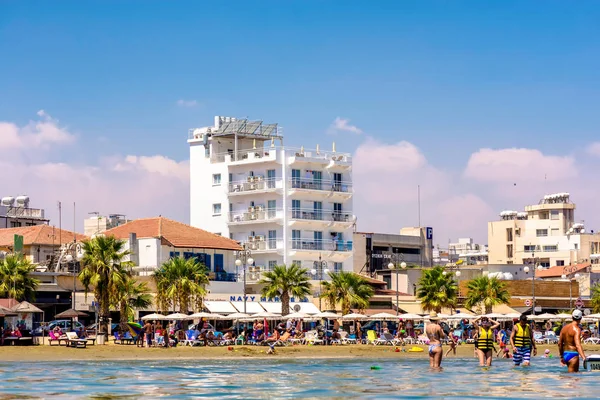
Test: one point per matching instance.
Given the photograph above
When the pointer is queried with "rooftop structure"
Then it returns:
(286, 205)
(15, 212)
(98, 223)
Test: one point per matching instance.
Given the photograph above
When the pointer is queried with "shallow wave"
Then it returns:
(331, 378)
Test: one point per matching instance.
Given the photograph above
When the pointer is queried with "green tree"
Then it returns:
(437, 289)
(595, 298)
(104, 269)
(15, 279)
(348, 289)
(285, 282)
(129, 296)
(486, 292)
(180, 282)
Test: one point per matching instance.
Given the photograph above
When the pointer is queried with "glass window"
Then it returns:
(216, 209)
(554, 214)
(216, 179)
(338, 266)
(297, 262)
(560, 263)
(541, 232)
(550, 248)
(272, 265)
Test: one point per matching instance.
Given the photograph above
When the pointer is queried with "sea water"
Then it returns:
(301, 378)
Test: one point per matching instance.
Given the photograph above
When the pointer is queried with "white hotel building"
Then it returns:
(285, 205)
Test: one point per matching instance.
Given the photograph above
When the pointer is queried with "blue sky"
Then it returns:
(449, 77)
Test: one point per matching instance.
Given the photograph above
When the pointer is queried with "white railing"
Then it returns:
(321, 245)
(245, 155)
(321, 184)
(271, 153)
(254, 183)
(263, 244)
(255, 214)
(320, 215)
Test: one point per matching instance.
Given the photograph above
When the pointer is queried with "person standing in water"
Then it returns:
(569, 344)
(521, 341)
(435, 333)
(485, 339)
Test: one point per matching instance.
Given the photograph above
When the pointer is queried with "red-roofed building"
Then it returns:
(154, 241)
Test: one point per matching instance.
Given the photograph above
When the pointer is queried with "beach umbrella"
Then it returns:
(234, 316)
(410, 316)
(570, 317)
(512, 315)
(134, 328)
(296, 315)
(177, 317)
(70, 313)
(267, 315)
(154, 317)
(494, 315)
(326, 315)
(206, 315)
(542, 317)
(460, 316)
(591, 316)
(383, 316)
(353, 316)
(7, 312)
(26, 307)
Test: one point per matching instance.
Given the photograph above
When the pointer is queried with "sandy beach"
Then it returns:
(130, 352)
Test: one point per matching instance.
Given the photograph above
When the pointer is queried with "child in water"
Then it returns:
(547, 354)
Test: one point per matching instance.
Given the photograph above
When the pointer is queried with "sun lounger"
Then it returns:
(312, 338)
(74, 341)
(283, 340)
(59, 339)
(348, 339)
(371, 337)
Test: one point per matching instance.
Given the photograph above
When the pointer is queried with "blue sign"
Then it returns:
(429, 233)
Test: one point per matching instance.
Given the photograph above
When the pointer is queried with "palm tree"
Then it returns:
(104, 269)
(15, 279)
(130, 296)
(349, 289)
(486, 292)
(286, 282)
(437, 289)
(182, 282)
(595, 297)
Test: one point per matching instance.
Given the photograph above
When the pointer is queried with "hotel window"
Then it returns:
(338, 266)
(509, 234)
(218, 233)
(15, 224)
(216, 209)
(272, 265)
(216, 179)
(529, 248)
(297, 262)
(560, 263)
(550, 248)
(541, 232)
(554, 214)
(576, 246)
(509, 251)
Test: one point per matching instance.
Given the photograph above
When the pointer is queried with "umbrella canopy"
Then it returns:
(383, 317)
(6, 312)
(591, 316)
(177, 317)
(266, 315)
(234, 316)
(512, 315)
(569, 316)
(157, 317)
(354, 316)
(296, 315)
(26, 307)
(460, 316)
(410, 316)
(494, 315)
(70, 313)
(206, 315)
(542, 317)
(134, 328)
(326, 315)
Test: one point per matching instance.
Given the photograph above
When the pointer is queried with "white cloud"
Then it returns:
(594, 149)
(343, 125)
(187, 103)
(135, 185)
(518, 164)
(36, 134)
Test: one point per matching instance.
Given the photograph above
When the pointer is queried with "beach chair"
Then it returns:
(312, 337)
(53, 338)
(591, 340)
(538, 337)
(296, 340)
(74, 341)
(283, 340)
(422, 339)
(348, 339)
(551, 337)
(371, 337)
(386, 338)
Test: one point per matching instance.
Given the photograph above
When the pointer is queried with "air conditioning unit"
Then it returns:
(251, 209)
(250, 179)
(260, 208)
(260, 238)
(251, 238)
(253, 216)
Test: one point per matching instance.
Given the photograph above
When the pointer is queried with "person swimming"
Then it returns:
(569, 344)
(435, 333)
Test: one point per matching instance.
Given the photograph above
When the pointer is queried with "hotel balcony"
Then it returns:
(329, 218)
(332, 160)
(254, 185)
(331, 250)
(255, 215)
(262, 245)
(243, 157)
(314, 188)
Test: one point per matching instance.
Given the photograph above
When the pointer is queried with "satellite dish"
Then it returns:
(297, 307)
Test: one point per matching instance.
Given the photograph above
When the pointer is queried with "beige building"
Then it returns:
(547, 232)
(98, 223)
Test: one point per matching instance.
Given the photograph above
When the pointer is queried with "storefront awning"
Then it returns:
(411, 307)
(252, 307)
(303, 307)
(220, 307)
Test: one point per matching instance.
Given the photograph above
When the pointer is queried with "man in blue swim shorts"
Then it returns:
(569, 344)
(521, 341)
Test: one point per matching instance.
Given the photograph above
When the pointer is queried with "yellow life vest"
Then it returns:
(485, 339)
(522, 336)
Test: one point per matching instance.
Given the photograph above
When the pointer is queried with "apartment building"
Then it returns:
(546, 233)
(285, 205)
(15, 213)
(98, 223)
(469, 252)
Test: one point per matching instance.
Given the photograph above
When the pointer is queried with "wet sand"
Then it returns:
(130, 352)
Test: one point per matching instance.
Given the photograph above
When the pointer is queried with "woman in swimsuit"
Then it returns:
(485, 339)
(435, 334)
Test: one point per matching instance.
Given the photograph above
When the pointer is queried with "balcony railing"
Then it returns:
(256, 215)
(269, 154)
(263, 244)
(320, 215)
(21, 212)
(321, 245)
(320, 184)
(254, 184)
(222, 276)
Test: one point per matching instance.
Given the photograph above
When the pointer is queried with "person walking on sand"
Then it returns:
(435, 333)
(485, 339)
(521, 341)
(569, 344)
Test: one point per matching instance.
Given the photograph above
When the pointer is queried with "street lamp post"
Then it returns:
(533, 269)
(570, 275)
(320, 267)
(452, 267)
(243, 258)
(71, 255)
(394, 265)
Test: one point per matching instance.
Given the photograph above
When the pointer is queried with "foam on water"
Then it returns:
(273, 378)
